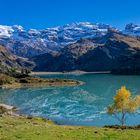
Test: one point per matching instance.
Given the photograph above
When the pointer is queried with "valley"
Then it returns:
(67, 75)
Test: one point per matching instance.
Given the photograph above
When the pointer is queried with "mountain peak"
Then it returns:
(18, 28)
(132, 29)
(5, 31)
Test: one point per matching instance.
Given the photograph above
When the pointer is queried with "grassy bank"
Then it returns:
(32, 81)
(15, 128)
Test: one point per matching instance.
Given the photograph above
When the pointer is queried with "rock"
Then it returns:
(7, 109)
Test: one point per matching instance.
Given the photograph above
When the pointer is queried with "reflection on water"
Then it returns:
(78, 105)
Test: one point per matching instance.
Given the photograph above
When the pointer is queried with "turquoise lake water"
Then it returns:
(78, 105)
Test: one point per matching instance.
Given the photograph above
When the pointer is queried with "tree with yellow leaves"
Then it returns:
(123, 104)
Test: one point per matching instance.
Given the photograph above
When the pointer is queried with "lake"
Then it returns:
(77, 105)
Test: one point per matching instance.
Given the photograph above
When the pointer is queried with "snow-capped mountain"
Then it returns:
(114, 52)
(5, 31)
(34, 42)
(132, 29)
(77, 46)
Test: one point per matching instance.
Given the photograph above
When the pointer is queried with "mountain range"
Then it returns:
(78, 46)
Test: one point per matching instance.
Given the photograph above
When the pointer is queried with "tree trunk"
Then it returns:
(123, 119)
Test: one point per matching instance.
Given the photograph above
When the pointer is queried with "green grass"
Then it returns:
(20, 128)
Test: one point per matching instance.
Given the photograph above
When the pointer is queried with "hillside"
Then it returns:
(105, 53)
(10, 62)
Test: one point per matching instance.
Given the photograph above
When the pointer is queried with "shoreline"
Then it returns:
(72, 72)
(11, 111)
(35, 82)
(43, 85)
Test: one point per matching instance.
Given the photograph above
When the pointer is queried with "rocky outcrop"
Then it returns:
(7, 109)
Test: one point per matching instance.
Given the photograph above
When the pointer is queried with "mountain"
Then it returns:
(34, 42)
(106, 53)
(132, 30)
(9, 61)
(78, 46)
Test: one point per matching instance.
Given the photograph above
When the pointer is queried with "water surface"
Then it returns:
(78, 105)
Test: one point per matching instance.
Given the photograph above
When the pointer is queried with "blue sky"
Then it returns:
(41, 14)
